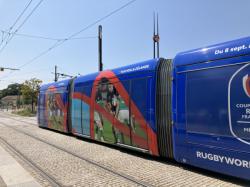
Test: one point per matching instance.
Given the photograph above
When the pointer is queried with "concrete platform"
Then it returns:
(12, 174)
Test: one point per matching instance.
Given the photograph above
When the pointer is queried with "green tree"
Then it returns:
(12, 89)
(1, 94)
(30, 90)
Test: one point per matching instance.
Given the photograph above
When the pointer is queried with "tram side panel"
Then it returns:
(212, 116)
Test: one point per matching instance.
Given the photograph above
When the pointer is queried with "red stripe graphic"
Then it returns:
(77, 95)
(248, 85)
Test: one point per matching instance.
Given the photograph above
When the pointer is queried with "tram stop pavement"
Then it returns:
(12, 174)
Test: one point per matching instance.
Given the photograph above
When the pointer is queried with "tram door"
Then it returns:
(130, 111)
(81, 115)
(111, 115)
(76, 116)
(85, 113)
(41, 109)
(104, 112)
(120, 110)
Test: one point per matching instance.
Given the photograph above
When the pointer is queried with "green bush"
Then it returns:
(26, 112)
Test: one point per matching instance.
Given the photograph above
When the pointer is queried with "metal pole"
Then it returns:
(158, 41)
(100, 47)
(154, 35)
(56, 78)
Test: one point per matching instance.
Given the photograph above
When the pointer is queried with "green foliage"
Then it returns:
(12, 89)
(57, 122)
(30, 90)
(26, 112)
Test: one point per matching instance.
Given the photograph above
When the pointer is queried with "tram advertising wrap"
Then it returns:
(194, 109)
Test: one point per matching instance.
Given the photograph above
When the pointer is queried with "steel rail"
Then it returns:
(120, 174)
(32, 164)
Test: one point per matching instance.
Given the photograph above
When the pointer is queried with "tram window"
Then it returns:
(138, 95)
(85, 112)
(206, 106)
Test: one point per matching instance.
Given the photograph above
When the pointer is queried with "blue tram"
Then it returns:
(194, 109)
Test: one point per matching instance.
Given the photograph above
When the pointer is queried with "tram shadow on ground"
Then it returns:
(226, 178)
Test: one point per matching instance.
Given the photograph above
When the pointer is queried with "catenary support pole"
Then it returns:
(156, 37)
(100, 47)
(56, 79)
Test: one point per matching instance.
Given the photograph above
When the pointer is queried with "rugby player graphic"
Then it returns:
(112, 107)
(246, 84)
(105, 97)
(98, 119)
(123, 114)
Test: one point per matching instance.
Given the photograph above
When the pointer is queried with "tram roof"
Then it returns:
(239, 47)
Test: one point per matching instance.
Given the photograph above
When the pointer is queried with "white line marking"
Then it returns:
(243, 121)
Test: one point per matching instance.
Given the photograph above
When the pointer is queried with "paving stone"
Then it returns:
(2, 183)
(71, 171)
(12, 173)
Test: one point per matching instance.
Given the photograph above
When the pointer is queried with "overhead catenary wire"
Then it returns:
(19, 17)
(35, 71)
(2, 39)
(15, 22)
(59, 43)
(20, 26)
(62, 75)
(101, 19)
(45, 37)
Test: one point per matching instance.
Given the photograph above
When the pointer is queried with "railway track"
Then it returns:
(119, 174)
(13, 117)
(53, 182)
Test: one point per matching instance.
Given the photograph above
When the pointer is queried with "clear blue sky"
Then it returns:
(127, 35)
